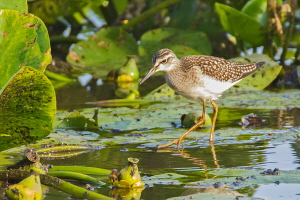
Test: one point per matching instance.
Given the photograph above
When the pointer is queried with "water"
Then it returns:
(191, 162)
(198, 158)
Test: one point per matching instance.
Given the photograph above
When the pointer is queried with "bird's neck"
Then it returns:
(175, 77)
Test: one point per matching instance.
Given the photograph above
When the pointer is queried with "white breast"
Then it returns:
(206, 88)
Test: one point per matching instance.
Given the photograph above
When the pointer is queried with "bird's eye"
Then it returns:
(164, 61)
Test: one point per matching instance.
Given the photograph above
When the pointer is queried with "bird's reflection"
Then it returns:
(196, 160)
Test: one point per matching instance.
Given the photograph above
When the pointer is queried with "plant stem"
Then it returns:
(54, 182)
(291, 17)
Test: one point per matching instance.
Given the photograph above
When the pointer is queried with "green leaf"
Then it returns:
(241, 25)
(183, 14)
(26, 42)
(77, 120)
(27, 108)
(106, 50)
(257, 9)
(163, 179)
(182, 42)
(19, 5)
(120, 5)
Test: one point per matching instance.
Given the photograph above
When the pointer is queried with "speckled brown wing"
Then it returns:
(220, 69)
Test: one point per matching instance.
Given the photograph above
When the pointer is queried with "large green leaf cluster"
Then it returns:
(27, 97)
(248, 24)
(109, 47)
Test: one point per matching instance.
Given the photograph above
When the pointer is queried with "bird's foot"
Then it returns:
(178, 141)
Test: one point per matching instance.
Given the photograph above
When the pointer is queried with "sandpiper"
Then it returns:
(200, 78)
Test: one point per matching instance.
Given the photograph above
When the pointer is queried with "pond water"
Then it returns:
(198, 157)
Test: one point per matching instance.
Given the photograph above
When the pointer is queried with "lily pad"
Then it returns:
(162, 93)
(26, 42)
(163, 179)
(261, 99)
(258, 99)
(27, 108)
(212, 193)
(251, 177)
(241, 25)
(104, 51)
(77, 120)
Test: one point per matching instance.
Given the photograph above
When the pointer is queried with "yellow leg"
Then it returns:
(212, 148)
(215, 106)
(179, 140)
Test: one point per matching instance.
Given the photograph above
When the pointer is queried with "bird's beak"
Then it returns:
(150, 73)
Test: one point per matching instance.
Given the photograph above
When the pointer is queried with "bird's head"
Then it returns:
(163, 60)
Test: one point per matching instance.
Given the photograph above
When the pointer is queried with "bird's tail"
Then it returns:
(260, 64)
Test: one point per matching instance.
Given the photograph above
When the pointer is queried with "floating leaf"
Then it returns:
(26, 42)
(163, 179)
(251, 177)
(241, 25)
(106, 50)
(77, 120)
(212, 193)
(163, 92)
